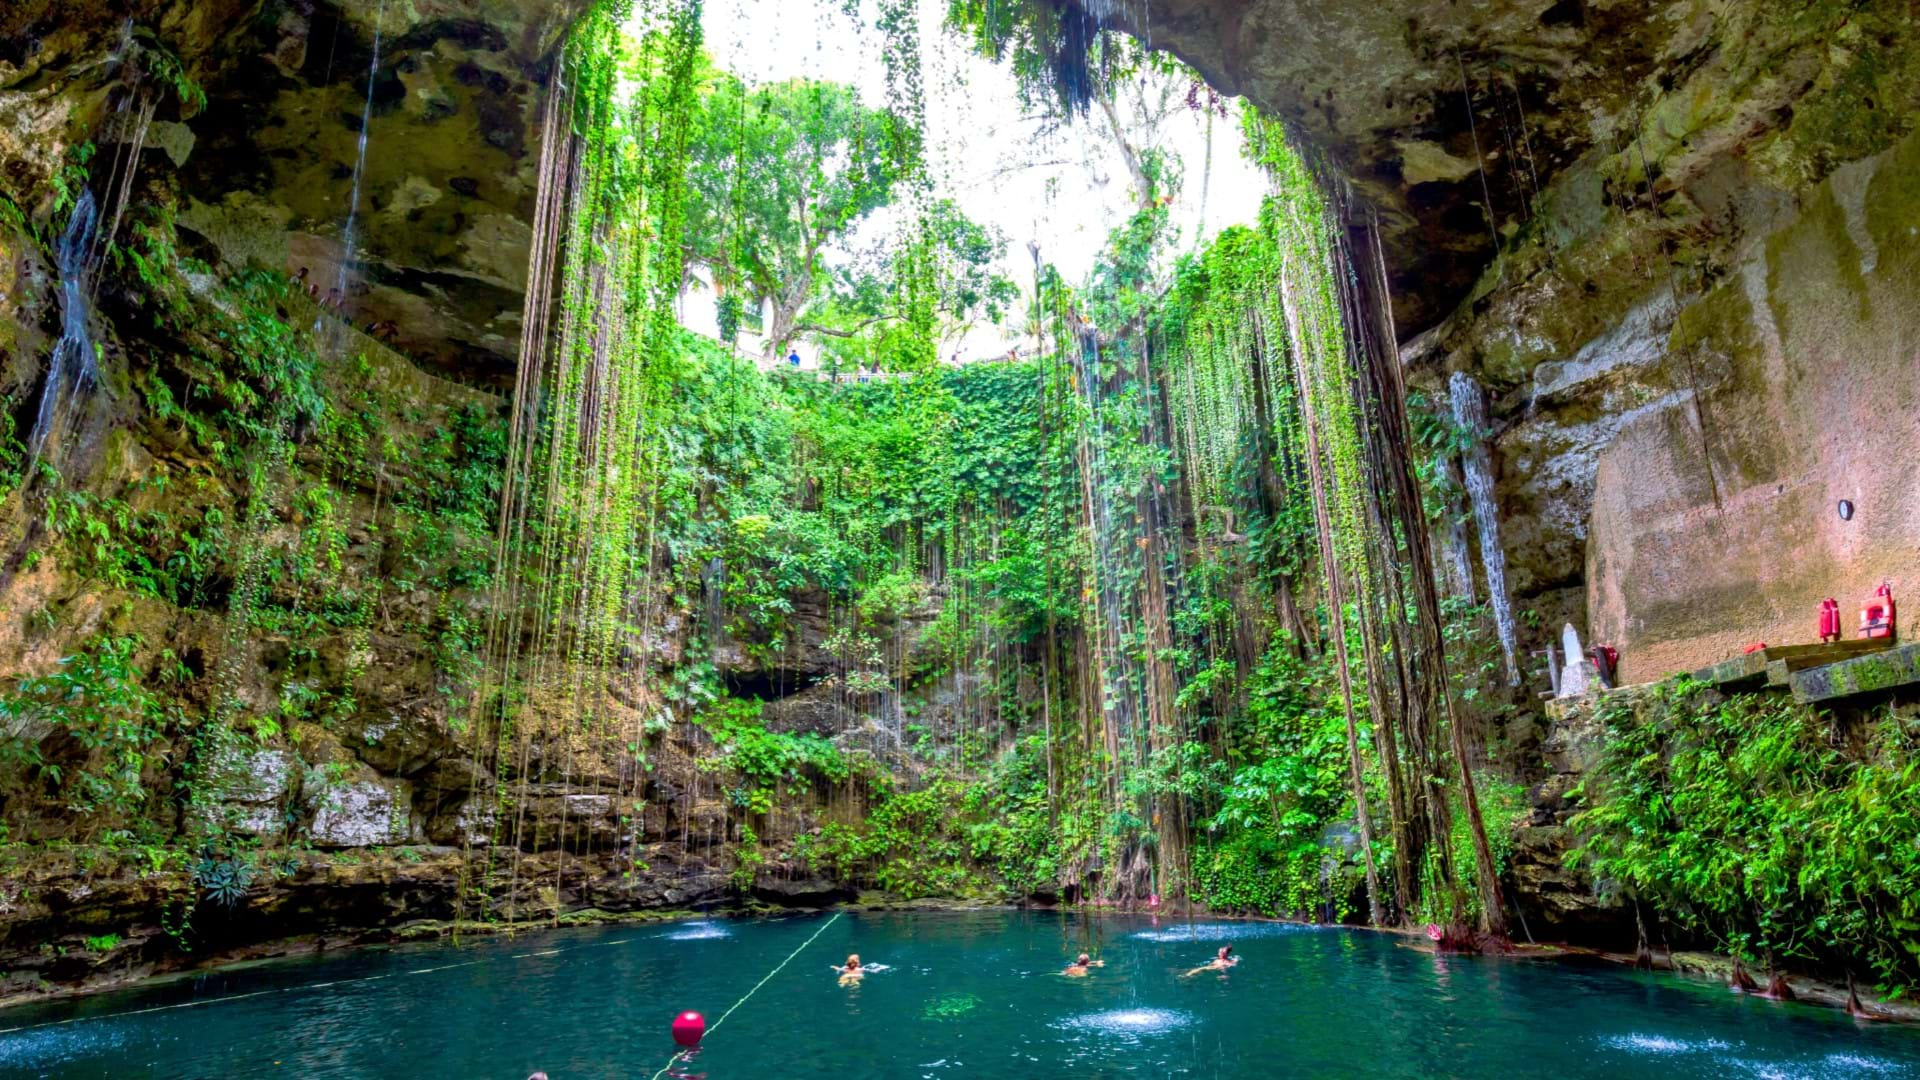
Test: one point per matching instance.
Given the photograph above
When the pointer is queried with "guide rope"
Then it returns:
(756, 986)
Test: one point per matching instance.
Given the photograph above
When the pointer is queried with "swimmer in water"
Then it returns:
(1221, 961)
(851, 972)
(1080, 966)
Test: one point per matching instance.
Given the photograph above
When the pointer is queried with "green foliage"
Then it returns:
(991, 836)
(70, 179)
(783, 174)
(1752, 821)
(1503, 806)
(88, 730)
(143, 551)
(1256, 874)
(767, 759)
(1059, 58)
(163, 65)
(224, 881)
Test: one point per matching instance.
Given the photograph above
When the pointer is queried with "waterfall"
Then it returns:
(713, 592)
(1470, 412)
(360, 160)
(73, 359)
(1457, 557)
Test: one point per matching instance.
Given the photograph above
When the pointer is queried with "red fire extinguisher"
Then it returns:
(1876, 616)
(1829, 619)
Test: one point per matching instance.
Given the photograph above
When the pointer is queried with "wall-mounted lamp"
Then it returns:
(1846, 509)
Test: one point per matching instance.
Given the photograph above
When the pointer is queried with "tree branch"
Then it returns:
(830, 331)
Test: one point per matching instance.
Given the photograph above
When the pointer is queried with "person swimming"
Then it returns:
(1221, 961)
(851, 971)
(1080, 966)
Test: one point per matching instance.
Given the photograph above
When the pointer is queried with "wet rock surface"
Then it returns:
(1562, 903)
(266, 168)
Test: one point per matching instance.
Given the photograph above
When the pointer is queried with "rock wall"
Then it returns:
(1716, 522)
(1675, 239)
(266, 168)
(1705, 342)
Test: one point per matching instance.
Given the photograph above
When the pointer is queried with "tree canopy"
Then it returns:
(784, 177)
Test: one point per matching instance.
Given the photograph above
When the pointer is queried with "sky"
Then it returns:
(1066, 191)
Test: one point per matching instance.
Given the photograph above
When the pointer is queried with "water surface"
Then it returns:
(966, 995)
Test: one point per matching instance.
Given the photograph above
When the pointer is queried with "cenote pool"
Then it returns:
(965, 995)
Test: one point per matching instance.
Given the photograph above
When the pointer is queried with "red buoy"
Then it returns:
(688, 1027)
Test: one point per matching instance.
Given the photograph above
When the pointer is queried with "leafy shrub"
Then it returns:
(224, 881)
(1743, 820)
(109, 722)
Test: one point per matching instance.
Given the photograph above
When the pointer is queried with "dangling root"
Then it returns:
(1856, 1008)
(1465, 939)
(1740, 981)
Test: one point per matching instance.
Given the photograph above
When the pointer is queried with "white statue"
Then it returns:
(1579, 676)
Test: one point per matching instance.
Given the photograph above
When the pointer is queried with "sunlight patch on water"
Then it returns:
(701, 931)
(51, 1046)
(1223, 931)
(1854, 1063)
(950, 1008)
(1128, 1021)
(1662, 1044)
(1836, 1066)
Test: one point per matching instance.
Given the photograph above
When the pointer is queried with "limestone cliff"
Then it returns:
(265, 168)
(1676, 239)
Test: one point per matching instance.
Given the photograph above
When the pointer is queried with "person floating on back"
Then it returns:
(1221, 961)
(1080, 966)
(851, 972)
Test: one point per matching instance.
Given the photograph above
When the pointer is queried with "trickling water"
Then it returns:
(360, 159)
(1458, 557)
(713, 591)
(1470, 411)
(73, 360)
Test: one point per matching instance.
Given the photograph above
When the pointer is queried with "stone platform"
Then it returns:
(1772, 666)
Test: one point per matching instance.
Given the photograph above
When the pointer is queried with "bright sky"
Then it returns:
(1067, 190)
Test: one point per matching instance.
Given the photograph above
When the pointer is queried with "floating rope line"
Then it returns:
(678, 1055)
(306, 986)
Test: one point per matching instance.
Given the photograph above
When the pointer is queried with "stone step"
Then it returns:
(1753, 667)
(1780, 669)
(1881, 670)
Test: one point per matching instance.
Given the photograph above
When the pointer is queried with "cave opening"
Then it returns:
(1156, 461)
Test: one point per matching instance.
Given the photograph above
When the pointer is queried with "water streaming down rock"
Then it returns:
(360, 161)
(1456, 556)
(1470, 412)
(71, 370)
(1124, 715)
(713, 594)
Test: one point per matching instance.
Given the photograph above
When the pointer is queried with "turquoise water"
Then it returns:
(966, 995)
